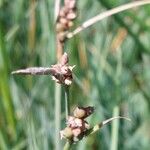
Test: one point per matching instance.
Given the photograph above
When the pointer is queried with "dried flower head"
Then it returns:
(77, 123)
(62, 72)
(66, 133)
(75, 129)
(83, 112)
(65, 19)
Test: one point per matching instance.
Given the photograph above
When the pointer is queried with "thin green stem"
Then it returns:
(3, 144)
(67, 101)
(121, 21)
(57, 115)
(67, 145)
(100, 125)
(57, 87)
(114, 130)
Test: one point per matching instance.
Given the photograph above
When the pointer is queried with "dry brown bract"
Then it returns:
(61, 72)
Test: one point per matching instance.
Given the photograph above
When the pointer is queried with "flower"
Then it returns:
(66, 133)
(62, 72)
(65, 19)
(76, 125)
(83, 112)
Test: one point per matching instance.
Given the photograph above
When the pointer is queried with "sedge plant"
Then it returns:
(77, 126)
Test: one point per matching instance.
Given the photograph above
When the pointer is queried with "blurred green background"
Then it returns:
(112, 74)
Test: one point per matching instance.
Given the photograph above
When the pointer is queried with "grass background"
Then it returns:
(112, 74)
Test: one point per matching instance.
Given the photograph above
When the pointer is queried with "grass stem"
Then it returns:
(67, 101)
(114, 130)
(57, 115)
(67, 145)
(106, 14)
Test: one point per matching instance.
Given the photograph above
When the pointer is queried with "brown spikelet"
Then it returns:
(65, 19)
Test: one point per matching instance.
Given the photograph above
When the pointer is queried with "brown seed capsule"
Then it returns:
(62, 36)
(70, 24)
(63, 21)
(59, 27)
(66, 133)
(83, 112)
(79, 113)
(71, 15)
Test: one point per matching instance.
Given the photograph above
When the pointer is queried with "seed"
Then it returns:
(79, 113)
(59, 27)
(70, 24)
(71, 15)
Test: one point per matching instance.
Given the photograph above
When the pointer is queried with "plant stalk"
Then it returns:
(114, 130)
(57, 115)
(67, 145)
(106, 14)
(67, 101)
(59, 51)
(100, 125)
